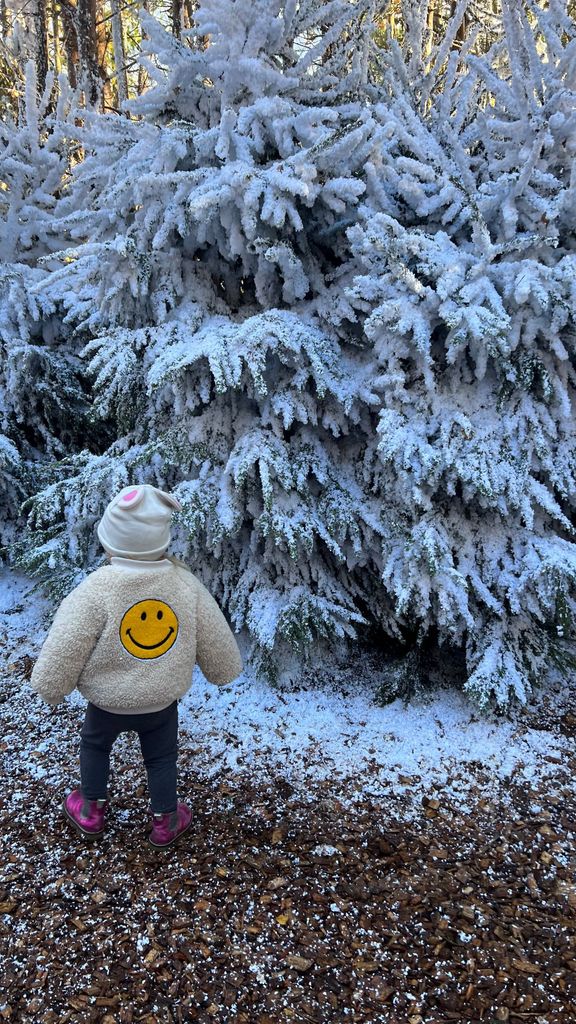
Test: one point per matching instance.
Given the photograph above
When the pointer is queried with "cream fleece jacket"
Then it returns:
(129, 636)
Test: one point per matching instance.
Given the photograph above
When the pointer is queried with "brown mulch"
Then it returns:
(449, 916)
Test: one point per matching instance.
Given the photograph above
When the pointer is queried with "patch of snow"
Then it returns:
(396, 750)
(329, 731)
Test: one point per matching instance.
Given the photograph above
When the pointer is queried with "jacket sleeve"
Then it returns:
(217, 652)
(72, 637)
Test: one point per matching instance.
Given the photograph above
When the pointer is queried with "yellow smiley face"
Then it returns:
(148, 629)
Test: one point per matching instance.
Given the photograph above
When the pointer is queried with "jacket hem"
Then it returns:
(148, 709)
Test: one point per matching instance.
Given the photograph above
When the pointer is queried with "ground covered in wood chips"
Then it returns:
(284, 904)
(277, 907)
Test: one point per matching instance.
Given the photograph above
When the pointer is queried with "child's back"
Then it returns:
(128, 637)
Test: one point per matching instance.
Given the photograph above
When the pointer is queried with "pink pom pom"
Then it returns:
(131, 498)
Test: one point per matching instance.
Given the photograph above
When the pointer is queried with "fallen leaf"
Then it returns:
(299, 963)
(525, 966)
(277, 883)
(365, 965)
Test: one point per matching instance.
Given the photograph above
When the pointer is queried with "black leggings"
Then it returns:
(158, 734)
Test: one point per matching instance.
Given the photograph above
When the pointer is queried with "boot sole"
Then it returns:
(164, 846)
(81, 831)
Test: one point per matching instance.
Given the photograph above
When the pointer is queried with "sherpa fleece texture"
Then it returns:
(109, 639)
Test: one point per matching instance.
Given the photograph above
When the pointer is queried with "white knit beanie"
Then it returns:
(136, 523)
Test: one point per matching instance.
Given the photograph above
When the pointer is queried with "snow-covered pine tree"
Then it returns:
(205, 233)
(330, 304)
(465, 282)
(40, 396)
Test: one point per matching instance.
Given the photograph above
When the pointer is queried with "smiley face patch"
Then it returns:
(148, 629)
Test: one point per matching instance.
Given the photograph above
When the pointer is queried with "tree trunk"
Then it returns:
(103, 41)
(176, 18)
(4, 22)
(188, 14)
(41, 42)
(463, 26)
(433, 24)
(142, 75)
(88, 53)
(56, 38)
(119, 53)
(70, 34)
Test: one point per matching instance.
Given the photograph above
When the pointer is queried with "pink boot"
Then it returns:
(166, 828)
(87, 816)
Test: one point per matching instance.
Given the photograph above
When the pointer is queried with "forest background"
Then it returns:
(99, 43)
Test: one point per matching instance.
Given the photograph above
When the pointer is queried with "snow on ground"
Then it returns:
(330, 731)
(318, 734)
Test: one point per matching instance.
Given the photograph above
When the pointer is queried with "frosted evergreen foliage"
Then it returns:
(40, 397)
(196, 294)
(326, 295)
(465, 284)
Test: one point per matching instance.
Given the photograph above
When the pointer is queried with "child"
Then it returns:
(128, 637)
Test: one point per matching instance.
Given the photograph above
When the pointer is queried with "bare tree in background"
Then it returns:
(70, 39)
(119, 52)
(41, 43)
(176, 18)
(4, 20)
(89, 75)
(57, 54)
(96, 42)
(462, 28)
